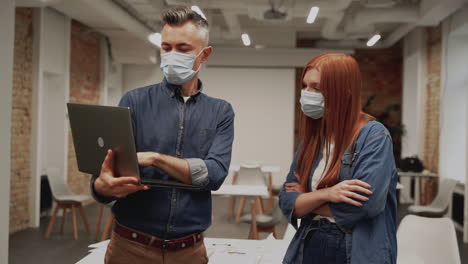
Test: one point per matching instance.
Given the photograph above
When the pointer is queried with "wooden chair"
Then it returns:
(250, 174)
(65, 199)
(262, 222)
(107, 227)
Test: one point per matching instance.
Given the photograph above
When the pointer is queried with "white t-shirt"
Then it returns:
(186, 98)
(317, 176)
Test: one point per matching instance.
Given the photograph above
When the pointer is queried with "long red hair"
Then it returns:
(340, 84)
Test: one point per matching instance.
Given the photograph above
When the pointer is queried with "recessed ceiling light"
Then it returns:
(373, 40)
(246, 39)
(155, 38)
(312, 14)
(198, 10)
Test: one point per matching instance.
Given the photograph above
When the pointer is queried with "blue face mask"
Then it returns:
(178, 67)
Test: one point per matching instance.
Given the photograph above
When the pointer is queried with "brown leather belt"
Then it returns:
(148, 240)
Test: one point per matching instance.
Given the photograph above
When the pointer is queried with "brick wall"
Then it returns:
(84, 88)
(434, 52)
(381, 93)
(432, 104)
(21, 129)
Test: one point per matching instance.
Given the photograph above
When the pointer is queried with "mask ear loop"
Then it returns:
(199, 67)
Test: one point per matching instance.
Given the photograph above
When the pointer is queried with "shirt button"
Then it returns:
(183, 245)
(181, 127)
(174, 200)
(134, 235)
(178, 153)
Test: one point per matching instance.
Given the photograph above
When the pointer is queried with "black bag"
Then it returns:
(46, 194)
(412, 164)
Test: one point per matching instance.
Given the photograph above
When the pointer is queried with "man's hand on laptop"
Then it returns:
(108, 185)
(146, 159)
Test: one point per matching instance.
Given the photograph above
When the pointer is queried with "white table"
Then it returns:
(219, 250)
(417, 183)
(242, 190)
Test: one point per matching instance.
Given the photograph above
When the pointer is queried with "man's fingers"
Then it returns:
(108, 163)
(126, 189)
(124, 180)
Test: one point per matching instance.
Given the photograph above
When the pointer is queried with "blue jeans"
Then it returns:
(325, 244)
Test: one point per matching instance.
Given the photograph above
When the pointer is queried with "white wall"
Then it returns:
(453, 145)
(7, 27)
(414, 93)
(51, 82)
(140, 75)
(454, 100)
(114, 84)
(263, 100)
(111, 77)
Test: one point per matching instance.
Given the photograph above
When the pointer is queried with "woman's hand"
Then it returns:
(293, 187)
(345, 190)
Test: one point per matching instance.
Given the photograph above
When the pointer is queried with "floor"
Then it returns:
(29, 246)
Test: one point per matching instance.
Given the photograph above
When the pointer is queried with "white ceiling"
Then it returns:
(338, 20)
(342, 24)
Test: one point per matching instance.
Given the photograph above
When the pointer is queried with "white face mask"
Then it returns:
(178, 67)
(312, 104)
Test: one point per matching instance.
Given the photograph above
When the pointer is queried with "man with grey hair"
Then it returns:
(182, 135)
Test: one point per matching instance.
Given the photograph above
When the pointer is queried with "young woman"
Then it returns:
(342, 182)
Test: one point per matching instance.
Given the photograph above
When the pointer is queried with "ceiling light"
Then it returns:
(373, 40)
(246, 39)
(155, 38)
(312, 14)
(198, 11)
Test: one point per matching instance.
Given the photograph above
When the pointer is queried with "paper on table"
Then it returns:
(100, 244)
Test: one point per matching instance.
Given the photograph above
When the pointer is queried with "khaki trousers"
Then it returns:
(124, 251)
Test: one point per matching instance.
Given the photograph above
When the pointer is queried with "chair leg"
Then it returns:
(253, 224)
(270, 193)
(275, 233)
(75, 227)
(259, 201)
(52, 220)
(85, 219)
(62, 224)
(232, 198)
(240, 209)
(98, 224)
(108, 227)
(231, 206)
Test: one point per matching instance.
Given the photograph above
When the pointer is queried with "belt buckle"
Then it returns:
(165, 244)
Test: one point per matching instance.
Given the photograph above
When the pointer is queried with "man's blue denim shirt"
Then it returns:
(201, 131)
(371, 237)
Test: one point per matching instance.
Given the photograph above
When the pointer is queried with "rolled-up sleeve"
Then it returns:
(198, 171)
(375, 166)
(211, 172)
(287, 200)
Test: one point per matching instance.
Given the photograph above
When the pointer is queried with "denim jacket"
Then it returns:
(371, 229)
(200, 131)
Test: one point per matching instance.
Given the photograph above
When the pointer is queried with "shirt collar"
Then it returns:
(174, 89)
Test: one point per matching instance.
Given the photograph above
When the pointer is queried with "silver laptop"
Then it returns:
(95, 129)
